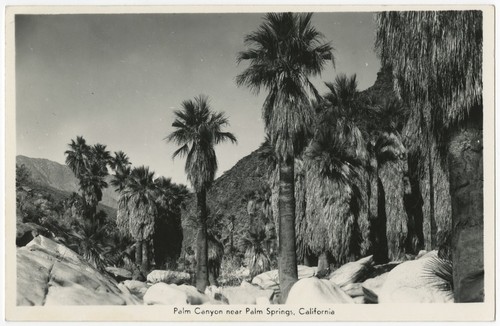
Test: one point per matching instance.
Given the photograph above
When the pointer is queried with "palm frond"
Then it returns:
(436, 57)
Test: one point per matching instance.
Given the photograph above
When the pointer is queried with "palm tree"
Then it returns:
(119, 161)
(89, 164)
(282, 54)
(138, 210)
(197, 130)
(101, 157)
(436, 58)
(390, 170)
(334, 184)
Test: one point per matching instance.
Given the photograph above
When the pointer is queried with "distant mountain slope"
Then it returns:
(59, 177)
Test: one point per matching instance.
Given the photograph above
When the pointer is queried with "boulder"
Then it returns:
(137, 288)
(169, 277)
(193, 295)
(171, 294)
(119, 274)
(352, 272)
(371, 288)
(270, 280)
(310, 291)
(246, 293)
(48, 273)
(165, 294)
(417, 281)
(353, 289)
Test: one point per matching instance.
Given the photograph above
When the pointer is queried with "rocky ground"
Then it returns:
(50, 274)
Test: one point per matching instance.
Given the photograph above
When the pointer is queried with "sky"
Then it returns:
(116, 79)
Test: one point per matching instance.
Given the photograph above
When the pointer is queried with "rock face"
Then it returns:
(168, 277)
(314, 291)
(416, 282)
(270, 280)
(352, 272)
(50, 274)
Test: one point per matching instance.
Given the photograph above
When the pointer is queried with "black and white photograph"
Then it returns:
(304, 164)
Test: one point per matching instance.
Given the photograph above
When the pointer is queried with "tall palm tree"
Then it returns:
(138, 208)
(283, 53)
(197, 130)
(335, 192)
(436, 58)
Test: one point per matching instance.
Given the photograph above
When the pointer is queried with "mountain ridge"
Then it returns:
(60, 177)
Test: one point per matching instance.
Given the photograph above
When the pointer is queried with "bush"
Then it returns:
(232, 272)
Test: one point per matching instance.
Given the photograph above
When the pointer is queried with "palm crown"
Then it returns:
(283, 53)
(138, 203)
(198, 130)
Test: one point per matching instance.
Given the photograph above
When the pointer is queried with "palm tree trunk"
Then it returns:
(138, 253)
(201, 243)
(380, 247)
(287, 257)
(145, 257)
(465, 159)
(391, 177)
(323, 261)
(432, 201)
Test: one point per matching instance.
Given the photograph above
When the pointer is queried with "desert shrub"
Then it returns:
(232, 271)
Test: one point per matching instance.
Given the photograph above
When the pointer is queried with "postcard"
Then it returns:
(264, 163)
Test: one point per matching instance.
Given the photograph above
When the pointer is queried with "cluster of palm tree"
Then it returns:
(147, 205)
(352, 183)
(438, 73)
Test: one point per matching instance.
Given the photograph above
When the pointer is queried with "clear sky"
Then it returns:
(116, 79)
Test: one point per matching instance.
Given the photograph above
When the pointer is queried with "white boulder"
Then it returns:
(270, 280)
(165, 294)
(310, 291)
(169, 277)
(48, 273)
(352, 272)
(415, 282)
